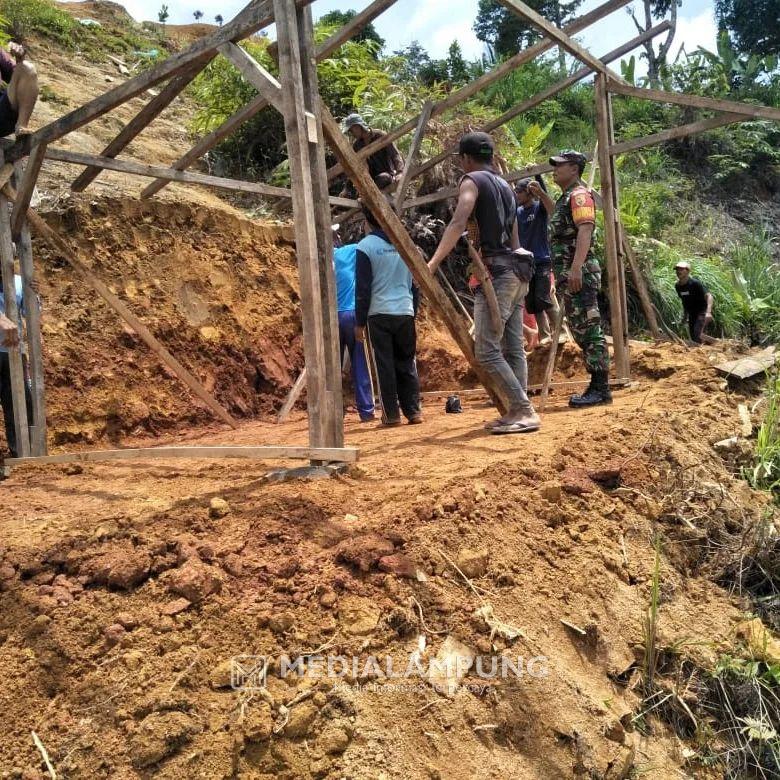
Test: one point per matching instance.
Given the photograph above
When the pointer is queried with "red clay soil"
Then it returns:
(127, 589)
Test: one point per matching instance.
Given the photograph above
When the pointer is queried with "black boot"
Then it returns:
(598, 392)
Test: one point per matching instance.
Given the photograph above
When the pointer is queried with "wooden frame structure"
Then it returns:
(308, 125)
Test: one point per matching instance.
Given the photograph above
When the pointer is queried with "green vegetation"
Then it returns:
(23, 18)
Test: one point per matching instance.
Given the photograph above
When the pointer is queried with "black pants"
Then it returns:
(6, 400)
(696, 326)
(394, 342)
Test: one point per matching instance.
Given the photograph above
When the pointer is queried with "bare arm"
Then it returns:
(547, 202)
(515, 237)
(467, 198)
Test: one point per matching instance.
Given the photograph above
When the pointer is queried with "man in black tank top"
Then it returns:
(488, 202)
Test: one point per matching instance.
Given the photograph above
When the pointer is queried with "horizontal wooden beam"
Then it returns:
(244, 114)
(155, 172)
(694, 101)
(255, 16)
(340, 455)
(472, 88)
(546, 94)
(677, 132)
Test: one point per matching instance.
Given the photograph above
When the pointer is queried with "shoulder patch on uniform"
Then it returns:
(580, 199)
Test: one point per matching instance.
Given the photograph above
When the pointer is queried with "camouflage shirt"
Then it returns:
(575, 207)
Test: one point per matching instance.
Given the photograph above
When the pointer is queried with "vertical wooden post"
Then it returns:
(32, 307)
(304, 139)
(619, 330)
(411, 158)
(16, 367)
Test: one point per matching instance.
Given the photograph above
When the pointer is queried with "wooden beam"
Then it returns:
(254, 73)
(695, 101)
(15, 364)
(414, 150)
(49, 235)
(546, 94)
(559, 36)
(399, 237)
(641, 284)
(32, 307)
(677, 132)
(140, 169)
(469, 90)
(292, 397)
(139, 122)
(252, 18)
(326, 454)
(308, 228)
(324, 50)
(26, 187)
(619, 336)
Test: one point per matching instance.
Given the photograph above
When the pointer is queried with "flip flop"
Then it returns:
(501, 430)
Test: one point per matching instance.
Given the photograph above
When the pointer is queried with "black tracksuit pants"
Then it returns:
(394, 343)
(6, 400)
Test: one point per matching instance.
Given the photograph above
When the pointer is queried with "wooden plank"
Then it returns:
(552, 355)
(480, 393)
(695, 101)
(610, 228)
(26, 187)
(469, 90)
(292, 397)
(32, 306)
(252, 18)
(56, 241)
(399, 237)
(326, 454)
(139, 122)
(254, 73)
(546, 94)
(15, 364)
(749, 366)
(641, 285)
(304, 217)
(141, 169)
(677, 132)
(334, 393)
(556, 34)
(414, 150)
(324, 50)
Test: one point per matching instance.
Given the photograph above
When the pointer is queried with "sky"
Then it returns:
(436, 23)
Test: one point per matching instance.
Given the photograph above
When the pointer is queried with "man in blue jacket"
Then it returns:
(385, 305)
(344, 258)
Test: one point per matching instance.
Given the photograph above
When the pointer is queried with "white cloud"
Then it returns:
(696, 31)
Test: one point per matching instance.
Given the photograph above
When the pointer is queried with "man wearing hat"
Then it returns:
(532, 219)
(385, 165)
(578, 273)
(697, 303)
(485, 199)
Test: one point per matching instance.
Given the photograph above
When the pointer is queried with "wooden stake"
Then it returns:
(552, 356)
(483, 275)
(26, 187)
(399, 237)
(32, 307)
(292, 397)
(619, 335)
(414, 150)
(15, 363)
(56, 241)
(641, 285)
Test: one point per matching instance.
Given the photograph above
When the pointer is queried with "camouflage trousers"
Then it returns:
(582, 312)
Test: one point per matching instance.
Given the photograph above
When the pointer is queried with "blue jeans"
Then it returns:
(503, 354)
(364, 395)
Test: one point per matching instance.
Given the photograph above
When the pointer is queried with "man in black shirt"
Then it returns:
(697, 303)
(385, 165)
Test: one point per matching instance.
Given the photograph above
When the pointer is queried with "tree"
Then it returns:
(507, 33)
(198, 15)
(162, 16)
(457, 67)
(340, 18)
(218, 19)
(754, 25)
(656, 9)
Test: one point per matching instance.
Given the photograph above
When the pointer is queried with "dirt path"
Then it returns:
(124, 596)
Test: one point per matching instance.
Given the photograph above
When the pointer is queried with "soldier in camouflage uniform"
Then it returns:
(578, 272)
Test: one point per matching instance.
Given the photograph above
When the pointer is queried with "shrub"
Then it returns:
(24, 17)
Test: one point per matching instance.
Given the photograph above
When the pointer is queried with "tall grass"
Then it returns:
(765, 473)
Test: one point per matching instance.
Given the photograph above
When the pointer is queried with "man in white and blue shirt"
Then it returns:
(385, 305)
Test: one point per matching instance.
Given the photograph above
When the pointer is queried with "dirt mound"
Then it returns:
(121, 611)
